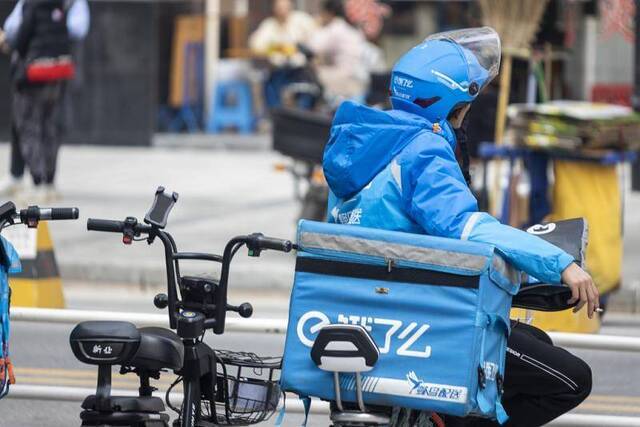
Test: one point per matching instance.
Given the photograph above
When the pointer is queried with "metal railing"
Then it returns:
(279, 326)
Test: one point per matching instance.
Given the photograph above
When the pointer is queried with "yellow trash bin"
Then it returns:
(592, 191)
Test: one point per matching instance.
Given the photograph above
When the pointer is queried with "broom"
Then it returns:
(516, 21)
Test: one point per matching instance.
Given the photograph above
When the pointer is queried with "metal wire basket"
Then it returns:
(247, 388)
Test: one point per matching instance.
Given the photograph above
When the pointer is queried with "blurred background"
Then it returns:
(143, 61)
(229, 103)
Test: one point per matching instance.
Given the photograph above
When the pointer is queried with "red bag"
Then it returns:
(45, 70)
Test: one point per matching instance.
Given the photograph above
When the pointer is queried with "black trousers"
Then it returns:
(16, 159)
(542, 381)
(36, 131)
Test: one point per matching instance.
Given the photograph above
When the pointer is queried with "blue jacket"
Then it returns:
(395, 170)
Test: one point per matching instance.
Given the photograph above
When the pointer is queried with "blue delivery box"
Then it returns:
(437, 309)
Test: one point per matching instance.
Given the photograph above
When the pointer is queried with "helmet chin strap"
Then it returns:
(458, 121)
(461, 139)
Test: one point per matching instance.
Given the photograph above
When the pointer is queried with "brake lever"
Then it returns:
(128, 232)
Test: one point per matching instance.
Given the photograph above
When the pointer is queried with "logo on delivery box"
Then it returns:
(405, 337)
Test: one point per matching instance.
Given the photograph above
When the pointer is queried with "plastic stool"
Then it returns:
(232, 106)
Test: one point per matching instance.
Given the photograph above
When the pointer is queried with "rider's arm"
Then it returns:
(26, 28)
(438, 198)
(12, 24)
(78, 20)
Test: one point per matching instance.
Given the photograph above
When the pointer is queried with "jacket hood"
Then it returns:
(364, 140)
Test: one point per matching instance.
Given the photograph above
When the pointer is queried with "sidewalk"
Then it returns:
(223, 192)
(206, 141)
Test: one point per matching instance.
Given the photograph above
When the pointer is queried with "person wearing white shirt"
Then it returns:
(32, 31)
(340, 49)
(277, 39)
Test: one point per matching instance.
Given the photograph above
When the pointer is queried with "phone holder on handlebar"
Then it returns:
(162, 205)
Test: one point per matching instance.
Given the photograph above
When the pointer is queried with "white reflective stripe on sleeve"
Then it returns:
(468, 227)
(334, 213)
(396, 173)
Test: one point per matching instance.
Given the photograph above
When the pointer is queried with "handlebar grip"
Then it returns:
(275, 244)
(61, 213)
(33, 214)
(105, 225)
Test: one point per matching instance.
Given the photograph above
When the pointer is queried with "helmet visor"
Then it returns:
(481, 46)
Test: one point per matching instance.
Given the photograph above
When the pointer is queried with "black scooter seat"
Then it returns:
(121, 343)
(104, 342)
(159, 348)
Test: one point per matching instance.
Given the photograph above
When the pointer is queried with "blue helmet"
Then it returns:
(444, 72)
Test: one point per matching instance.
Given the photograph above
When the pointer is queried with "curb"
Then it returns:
(224, 141)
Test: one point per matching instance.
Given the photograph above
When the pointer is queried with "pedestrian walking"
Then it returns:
(40, 34)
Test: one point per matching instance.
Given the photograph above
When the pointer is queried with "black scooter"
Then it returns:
(219, 387)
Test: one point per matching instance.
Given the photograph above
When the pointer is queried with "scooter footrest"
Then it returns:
(359, 418)
(138, 419)
(125, 404)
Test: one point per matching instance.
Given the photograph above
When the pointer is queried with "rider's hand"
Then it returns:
(4, 46)
(582, 289)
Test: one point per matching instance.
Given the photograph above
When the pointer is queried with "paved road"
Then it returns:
(42, 356)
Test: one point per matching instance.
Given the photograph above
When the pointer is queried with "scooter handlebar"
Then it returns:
(106, 225)
(35, 213)
(275, 244)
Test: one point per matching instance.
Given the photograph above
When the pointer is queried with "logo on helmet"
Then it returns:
(403, 82)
